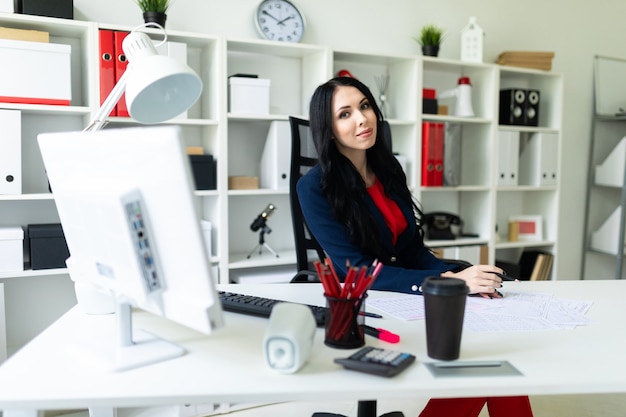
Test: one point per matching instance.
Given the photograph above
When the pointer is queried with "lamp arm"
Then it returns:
(114, 96)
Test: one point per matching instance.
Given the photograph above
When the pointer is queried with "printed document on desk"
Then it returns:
(517, 311)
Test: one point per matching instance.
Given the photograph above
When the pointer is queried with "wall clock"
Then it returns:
(280, 20)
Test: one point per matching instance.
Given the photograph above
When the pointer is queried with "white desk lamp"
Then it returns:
(157, 87)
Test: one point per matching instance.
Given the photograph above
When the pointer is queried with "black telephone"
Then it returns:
(439, 225)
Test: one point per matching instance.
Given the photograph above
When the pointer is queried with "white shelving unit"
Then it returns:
(606, 195)
(528, 198)
(237, 140)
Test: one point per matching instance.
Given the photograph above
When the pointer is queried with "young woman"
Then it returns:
(357, 204)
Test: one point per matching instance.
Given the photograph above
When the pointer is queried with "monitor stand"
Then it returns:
(128, 349)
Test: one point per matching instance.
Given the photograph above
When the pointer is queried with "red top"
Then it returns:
(395, 220)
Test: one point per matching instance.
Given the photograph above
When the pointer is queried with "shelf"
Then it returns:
(265, 259)
(33, 273)
(535, 244)
(260, 191)
(455, 189)
(27, 197)
(41, 109)
(604, 214)
(455, 119)
(456, 242)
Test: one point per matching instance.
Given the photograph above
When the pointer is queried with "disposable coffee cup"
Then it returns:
(444, 304)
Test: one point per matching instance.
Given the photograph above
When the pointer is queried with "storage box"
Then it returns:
(429, 101)
(6, 6)
(35, 72)
(11, 249)
(50, 8)
(47, 246)
(243, 183)
(204, 171)
(249, 95)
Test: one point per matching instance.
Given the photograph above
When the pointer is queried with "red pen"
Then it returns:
(382, 334)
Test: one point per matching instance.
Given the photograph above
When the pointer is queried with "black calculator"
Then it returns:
(377, 361)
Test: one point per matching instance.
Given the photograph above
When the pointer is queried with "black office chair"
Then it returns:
(303, 157)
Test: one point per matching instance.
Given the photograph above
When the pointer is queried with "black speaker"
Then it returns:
(531, 109)
(512, 106)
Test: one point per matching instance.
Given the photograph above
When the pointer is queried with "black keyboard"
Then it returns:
(262, 307)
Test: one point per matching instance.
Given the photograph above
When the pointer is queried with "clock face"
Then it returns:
(279, 20)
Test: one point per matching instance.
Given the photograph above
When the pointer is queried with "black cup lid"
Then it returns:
(444, 286)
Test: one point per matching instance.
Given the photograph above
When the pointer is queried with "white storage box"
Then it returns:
(249, 95)
(35, 72)
(11, 249)
(6, 6)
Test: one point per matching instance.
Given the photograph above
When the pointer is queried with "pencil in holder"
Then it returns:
(344, 322)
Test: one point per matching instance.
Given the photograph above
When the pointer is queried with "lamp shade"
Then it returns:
(158, 87)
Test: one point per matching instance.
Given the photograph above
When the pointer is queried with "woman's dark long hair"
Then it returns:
(341, 183)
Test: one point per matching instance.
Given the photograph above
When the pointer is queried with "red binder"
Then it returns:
(120, 66)
(107, 66)
(440, 130)
(432, 153)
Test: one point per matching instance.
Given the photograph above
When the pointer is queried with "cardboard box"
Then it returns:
(24, 34)
(47, 246)
(249, 95)
(35, 72)
(243, 183)
(11, 249)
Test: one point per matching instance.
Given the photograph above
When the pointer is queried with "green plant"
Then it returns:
(153, 5)
(430, 35)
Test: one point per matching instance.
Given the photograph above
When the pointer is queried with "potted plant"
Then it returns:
(430, 39)
(154, 10)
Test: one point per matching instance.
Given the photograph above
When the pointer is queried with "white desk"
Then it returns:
(228, 366)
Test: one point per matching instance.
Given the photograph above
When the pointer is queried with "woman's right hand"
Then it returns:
(481, 279)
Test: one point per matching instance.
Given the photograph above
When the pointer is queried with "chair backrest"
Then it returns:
(303, 157)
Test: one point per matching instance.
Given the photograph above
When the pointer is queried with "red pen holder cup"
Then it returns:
(344, 323)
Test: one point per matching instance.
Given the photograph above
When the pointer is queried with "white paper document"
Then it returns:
(517, 311)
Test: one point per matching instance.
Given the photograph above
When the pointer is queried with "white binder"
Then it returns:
(539, 160)
(11, 152)
(276, 158)
(508, 157)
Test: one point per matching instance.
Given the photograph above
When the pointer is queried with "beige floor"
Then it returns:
(553, 406)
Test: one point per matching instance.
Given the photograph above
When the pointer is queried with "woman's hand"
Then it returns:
(481, 279)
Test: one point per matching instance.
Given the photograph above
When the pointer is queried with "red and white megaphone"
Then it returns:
(463, 94)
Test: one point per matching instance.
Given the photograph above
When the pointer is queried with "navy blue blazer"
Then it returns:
(409, 262)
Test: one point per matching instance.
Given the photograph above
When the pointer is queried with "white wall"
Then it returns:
(575, 31)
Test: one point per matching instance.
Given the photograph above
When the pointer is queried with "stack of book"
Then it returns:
(534, 265)
(526, 59)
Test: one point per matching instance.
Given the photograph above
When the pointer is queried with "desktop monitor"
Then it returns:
(133, 229)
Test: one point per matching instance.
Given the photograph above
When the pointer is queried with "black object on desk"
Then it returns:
(262, 307)
(377, 361)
